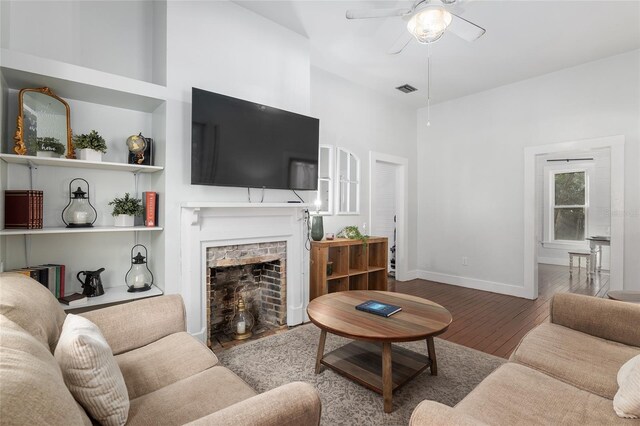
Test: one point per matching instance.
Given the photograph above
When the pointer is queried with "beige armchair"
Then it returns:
(171, 377)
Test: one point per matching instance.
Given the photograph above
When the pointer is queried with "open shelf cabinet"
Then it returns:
(116, 106)
(353, 265)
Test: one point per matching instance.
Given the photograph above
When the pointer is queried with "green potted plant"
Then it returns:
(353, 233)
(49, 147)
(125, 209)
(90, 146)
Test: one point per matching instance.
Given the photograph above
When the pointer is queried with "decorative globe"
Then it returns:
(136, 143)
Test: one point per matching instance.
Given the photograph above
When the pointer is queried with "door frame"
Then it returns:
(616, 146)
(402, 206)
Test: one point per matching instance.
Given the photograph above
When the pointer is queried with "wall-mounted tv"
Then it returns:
(240, 143)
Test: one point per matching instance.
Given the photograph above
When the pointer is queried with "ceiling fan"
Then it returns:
(427, 21)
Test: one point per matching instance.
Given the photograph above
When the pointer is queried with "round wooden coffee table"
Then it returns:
(371, 359)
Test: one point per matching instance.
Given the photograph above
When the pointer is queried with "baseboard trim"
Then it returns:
(555, 261)
(477, 284)
(411, 275)
(565, 262)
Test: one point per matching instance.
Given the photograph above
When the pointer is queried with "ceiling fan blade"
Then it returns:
(400, 43)
(376, 13)
(464, 29)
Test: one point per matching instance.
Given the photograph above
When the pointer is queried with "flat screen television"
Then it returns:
(244, 144)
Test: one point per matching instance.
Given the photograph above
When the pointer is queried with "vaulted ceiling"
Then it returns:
(524, 39)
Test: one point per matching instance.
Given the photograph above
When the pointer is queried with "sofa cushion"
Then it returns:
(32, 306)
(91, 372)
(163, 362)
(32, 391)
(190, 398)
(587, 362)
(132, 325)
(627, 399)
(515, 394)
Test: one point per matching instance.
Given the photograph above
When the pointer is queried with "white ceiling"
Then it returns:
(524, 39)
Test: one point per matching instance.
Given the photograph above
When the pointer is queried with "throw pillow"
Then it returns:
(627, 399)
(91, 372)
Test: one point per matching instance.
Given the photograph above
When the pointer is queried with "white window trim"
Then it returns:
(339, 181)
(329, 179)
(549, 176)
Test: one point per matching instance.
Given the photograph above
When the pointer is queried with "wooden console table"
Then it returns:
(356, 266)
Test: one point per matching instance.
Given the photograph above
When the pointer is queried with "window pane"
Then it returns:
(570, 189)
(569, 224)
(354, 168)
(344, 199)
(323, 194)
(325, 159)
(344, 163)
(353, 202)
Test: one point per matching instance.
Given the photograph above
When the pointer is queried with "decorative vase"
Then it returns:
(47, 154)
(88, 155)
(317, 228)
(124, 220)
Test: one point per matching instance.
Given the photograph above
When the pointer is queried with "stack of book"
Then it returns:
(23, 209)
(50, 276)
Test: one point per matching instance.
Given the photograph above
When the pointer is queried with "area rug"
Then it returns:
(276, 360)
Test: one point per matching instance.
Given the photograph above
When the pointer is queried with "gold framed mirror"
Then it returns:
(41, 116)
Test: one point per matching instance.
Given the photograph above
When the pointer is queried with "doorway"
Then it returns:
(533, 227)
(573, 206)
(388, 211)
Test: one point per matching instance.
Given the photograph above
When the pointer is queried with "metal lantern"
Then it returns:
(79, 213)
(242, 322)
(139, 277)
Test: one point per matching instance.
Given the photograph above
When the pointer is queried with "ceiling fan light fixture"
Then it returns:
(429, 24)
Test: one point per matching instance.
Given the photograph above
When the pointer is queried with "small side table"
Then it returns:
(625, 296)
(579, 255)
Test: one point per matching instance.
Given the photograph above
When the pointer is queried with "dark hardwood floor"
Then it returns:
(495, 323)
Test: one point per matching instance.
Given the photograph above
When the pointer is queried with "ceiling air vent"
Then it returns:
(406, 88)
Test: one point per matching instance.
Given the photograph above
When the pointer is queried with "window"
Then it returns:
(325, 179)
(568, 205)
(348, 182)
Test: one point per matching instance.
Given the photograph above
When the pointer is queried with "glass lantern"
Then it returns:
(79, 213)
(139, 277)
(242, 322)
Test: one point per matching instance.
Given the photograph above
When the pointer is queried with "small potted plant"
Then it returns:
(49, 147)
(90, 146)
(125, 209)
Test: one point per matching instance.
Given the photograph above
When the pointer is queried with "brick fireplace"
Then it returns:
(254, 271)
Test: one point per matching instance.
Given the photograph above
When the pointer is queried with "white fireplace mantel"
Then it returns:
(206, 224)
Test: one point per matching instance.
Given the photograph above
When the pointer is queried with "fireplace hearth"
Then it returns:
(257, 273)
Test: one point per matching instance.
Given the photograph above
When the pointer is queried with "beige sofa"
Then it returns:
(562, 372)
(171, 377)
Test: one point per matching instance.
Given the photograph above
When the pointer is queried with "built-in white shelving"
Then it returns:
(75, 82)
(114, 295)
(136, 104)
(64, 230)
(207, 204)
(81, 164)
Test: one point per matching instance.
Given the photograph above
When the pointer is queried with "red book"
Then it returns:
(151, 209)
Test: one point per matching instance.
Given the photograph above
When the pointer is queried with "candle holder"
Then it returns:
(139, 277)
(242, 322)
(79, 213)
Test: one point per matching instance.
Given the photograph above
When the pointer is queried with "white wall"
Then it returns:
(223, 48)
(599, 210)
(116, 37)
(362, 120)
(470, 182)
